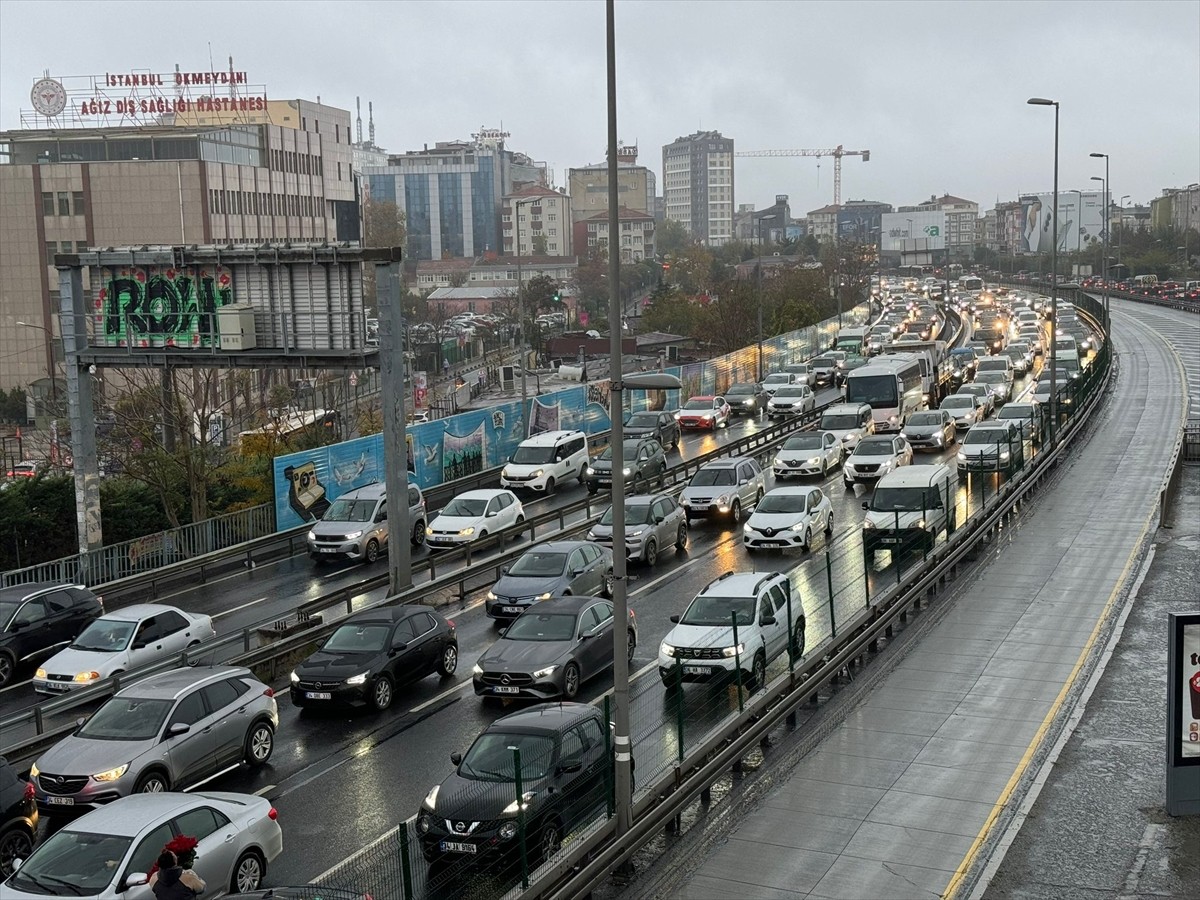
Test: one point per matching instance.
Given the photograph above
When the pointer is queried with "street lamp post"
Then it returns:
(760, 295)
(1041, 101)
(525, 417)
(1107, 228)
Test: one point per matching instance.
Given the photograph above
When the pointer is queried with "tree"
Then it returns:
(539, 245)
(383, 226)
(591, 279)
(542, 293)
(671, 311)
(671, 238)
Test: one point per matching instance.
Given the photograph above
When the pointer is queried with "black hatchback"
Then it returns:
(371, 653)
(18, 818)
(37, 620)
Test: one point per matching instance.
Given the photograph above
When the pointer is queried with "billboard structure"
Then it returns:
(1183, 714)
(910, 232)
(1080, 221)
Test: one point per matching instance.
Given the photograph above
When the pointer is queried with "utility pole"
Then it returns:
(517, 204)
(395, 438)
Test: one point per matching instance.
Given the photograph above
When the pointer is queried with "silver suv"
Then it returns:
(355, 526)
(724, 487)
(165, 733)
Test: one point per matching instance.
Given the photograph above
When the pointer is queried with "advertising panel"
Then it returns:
(1080, 221)
(913, 231)
(1185, 683)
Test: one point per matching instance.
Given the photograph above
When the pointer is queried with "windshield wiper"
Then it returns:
(75, 889)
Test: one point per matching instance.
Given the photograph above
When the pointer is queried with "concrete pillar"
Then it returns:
(73, 324)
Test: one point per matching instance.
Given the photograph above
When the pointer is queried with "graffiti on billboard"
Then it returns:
(463, 455)
(162, 307)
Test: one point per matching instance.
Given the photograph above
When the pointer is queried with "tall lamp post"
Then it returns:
(1041, 101)
(1107, 227)
(758, 266)
(525, 417)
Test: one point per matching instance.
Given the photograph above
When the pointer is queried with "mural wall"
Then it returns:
(471, 442)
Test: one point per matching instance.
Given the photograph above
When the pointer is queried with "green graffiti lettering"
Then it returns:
(173, 306)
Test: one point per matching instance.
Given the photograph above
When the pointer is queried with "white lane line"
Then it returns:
(239, 608)
(442, 696)
(262, 792)
(661, 578)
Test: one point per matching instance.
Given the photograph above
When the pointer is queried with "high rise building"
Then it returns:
(698, 185)
(588, 185)
(540, 217)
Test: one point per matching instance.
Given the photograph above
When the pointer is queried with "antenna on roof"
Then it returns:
(358, 119)
(371, 122)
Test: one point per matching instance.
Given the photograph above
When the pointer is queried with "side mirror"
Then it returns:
(135, 879)
(866, 505)
(400, 645)
(658, 520)
(456, 758)
(766, 620)
(139, 645)
(674, 620)
(382, 517)
(568, 766)
(493, 514)
(178, 728)
(504, 570)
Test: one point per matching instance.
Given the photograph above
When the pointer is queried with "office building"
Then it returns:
(588, 186)
(698, 185)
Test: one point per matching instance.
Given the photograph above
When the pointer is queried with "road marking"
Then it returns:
(238, 608)
(442, 696)
(661, 578)
(262, 792)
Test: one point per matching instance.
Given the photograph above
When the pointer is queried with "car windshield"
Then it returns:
(897, 499)
(991, 377)
(491, 757)
(105, 636)
(779, 378)
(824, 362)
(350, 511)
(972, 390)
(709, 610)
(7, 609)
(364, 638)
(871, 446)
(540, 626)
(714, 478)
(739, 389)
(791, 391)
(986, 436)
(812, 441)
(536, 564)
(72, 864)
(643, 420)
(838, 422)
(782, 503)
(698, 404)
(924, 418)
(635, 514)
(127, 719)
(467, 507)
(532, 456)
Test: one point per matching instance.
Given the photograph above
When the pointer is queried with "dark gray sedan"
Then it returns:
(653, 522)
(551, 650)
(660, 425)
(557, 568)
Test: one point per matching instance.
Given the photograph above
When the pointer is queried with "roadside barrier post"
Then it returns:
(866, 582)
(737, 658)
(405, 862)
(679, 706)
(790, 638)
(522, 837)
(898, 553)
(610, 784)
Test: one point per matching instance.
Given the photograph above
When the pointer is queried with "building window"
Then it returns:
(339, 171)
(77, 203)
(47, 203)
(64, 203)
(51, 249)
(81, 247)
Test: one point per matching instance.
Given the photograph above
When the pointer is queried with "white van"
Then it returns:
(546, 460)
(908, 509)
(850, 422)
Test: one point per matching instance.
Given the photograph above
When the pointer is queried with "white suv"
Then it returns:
(701, 646)
(546, 460)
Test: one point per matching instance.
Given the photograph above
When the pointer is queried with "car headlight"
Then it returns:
(638, 532)
(1004, 454)
(723, 500)
(358, 679)
(111, 774)
(295, 679)
(311, 538)
(423, 824)
(40, 673)
(627, 471)
(706, 417)
(537, 474)
(428, 530)
(962, 457)
(86, 677)
(545, 596)
(895, 420)
(430, 802)
(666, 649)
(867, 523)
(799, 526)
(746, 529)
(733, 651)
(467, 532)
(921, 523)
(591, 470)
(546, 672)
(354, 534)
(678, 415)
(749, 402)
(511, 809)
(491, 595)
(507, 831)
(815, 461)
(477, 669)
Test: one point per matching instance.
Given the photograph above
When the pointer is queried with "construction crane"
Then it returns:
(837, 153)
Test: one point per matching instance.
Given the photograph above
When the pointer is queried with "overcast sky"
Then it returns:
(935, 90)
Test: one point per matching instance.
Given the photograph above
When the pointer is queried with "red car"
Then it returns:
(704, 412)
(23, 470)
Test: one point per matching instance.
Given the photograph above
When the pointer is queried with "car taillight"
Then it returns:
(450, 623)
(269, 692)
(100, 600)
(273, 815)
(29, 790)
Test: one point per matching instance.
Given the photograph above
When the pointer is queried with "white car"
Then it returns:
(874, 457)
(108, 853)
(999, 383)
(791, 400)
(119, 641)
(809, 453)
(967, 410)
(776, 380)
(473, 515)
(787, 517)
(985, 392)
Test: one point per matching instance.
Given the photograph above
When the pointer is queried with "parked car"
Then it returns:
(809, 453)
(787, 517)
(38, 619)
(108, 853)
(565, 761)
(371, 654)
(553, 569)
(118, 641)
(930, 428)
(702, 645)
(472, 516)
(724, 487)
(653, 522)
(644, 461)
(168, 732)
(967, 410)
(355, 526)
(704, 412)
(551, 650)
(23, 469)
(874, 457)
(792, 400)
(992, 447)
(657, 424)
(18, 818)
(746, 398)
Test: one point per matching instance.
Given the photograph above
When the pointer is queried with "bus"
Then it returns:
(891, 385)
(971, 284)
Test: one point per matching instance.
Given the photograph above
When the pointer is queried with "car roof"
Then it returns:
(703, 397)
(912, 476)
(558, 546)
(372, 491)
(18, 592)
(549, 438)
(482, 494)
(131, 815)
(546, 717)
(735, 584)
(725, 463)
(171, 684)
(844, 408)
(138, 611)
(567, 603)
(385, 615)
(790, 490)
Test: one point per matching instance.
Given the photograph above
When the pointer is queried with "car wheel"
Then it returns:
(550, 841)
(758, 498)
(681, 538)
(152, 783)
(260, 742)
(849, 484)
(607, 588)
(798, 642)
(582, 473)
(549, 486)
(247, 873)
(807, 540)
(632, 648)
(593, 490)
(7, 667)
(736, 510)
(371, 554)
(382, 693)
(482, 535)
(758, 672)
(521, 519)
(418, 535)
(829, 525)
(16, 843)
(651, 553)
(448, 664)
(570, 681)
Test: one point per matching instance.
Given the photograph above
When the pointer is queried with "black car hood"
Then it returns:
(517, 586)
(523, 656)
(467, 800)
(334, 665)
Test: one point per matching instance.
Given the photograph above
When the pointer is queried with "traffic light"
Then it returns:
(558, 296)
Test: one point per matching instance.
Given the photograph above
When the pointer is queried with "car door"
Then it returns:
(664, 528)
(217, 847)
(578, 577)
(595, 650)
(61, 617)
(597, 569)
(145, 647)
(493, 518)
(770, 633)
(814, 518)
(833, 451)
(174, 631)
(407, 658)
(228, 708)
(596, 763)
(31, 627)
(142, 859)
(424, 642)
(191, 751)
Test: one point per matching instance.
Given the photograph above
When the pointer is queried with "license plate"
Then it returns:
(55, 686)
(695, 670)
(60, 801)
(327, 549)
(512, 610)
(770, 543)
(318, 695)
(890, 540)
(506, 689)
(456, 847)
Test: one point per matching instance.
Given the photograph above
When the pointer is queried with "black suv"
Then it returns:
(18, 818)
(565, 770)
(657, 424)
(746, 399)
(643, 461)
(371, 653)
(38, 619)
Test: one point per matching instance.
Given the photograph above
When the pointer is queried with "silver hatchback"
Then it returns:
(165, 733)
